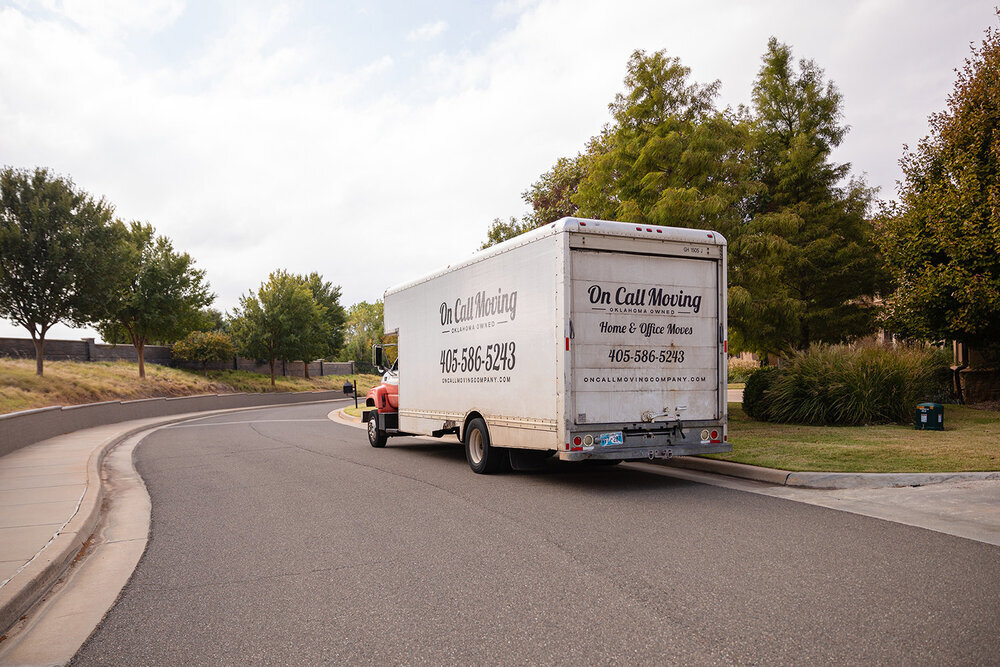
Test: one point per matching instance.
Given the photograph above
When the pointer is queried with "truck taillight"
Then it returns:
(577, 441)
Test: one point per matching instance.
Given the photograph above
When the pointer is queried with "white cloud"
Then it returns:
(106, 18)
(427, 31)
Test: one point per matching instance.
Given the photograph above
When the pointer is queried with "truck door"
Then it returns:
(645, 336)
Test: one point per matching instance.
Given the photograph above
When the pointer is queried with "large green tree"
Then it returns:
(327, 295)
(58, 250)
(364, 329)
(669, 157)
(162, 295)
(804, 267)
(281, 320)
(942, 239)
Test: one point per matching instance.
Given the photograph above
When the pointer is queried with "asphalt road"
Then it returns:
(279, 536)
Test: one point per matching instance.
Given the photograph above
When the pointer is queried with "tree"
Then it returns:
(942, 239)
(364, 329)
(669, 157)
(550, 197)
(281, 321)
(327, 295)
(804, 267)
(501, 230)
(58, 249)
(162, 296)
(211, 319)
(205, 346)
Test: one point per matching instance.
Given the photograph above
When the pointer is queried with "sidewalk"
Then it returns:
(50, 501)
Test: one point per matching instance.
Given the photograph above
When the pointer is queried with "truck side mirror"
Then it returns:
(377, 359)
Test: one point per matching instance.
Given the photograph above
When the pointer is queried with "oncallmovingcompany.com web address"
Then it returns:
(618, 380)
(478, 379)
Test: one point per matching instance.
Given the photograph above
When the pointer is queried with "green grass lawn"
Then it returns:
(356, 411)
(970, 442)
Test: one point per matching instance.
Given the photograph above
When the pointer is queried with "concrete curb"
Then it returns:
(805, 480)
(825, 480)
(344, 417)
(31, 583)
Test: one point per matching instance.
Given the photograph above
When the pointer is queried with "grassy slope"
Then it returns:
(970, 442)
(72, 383)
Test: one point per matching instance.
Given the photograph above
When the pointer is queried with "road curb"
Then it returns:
(30, 584)
(824, 480)
(804, 480)
(343, 416)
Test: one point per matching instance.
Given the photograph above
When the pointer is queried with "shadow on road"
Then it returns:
(588, 475)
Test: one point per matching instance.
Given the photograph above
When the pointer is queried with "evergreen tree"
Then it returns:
(803, 263)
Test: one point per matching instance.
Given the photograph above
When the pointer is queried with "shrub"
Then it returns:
(741, 369)
(758, 382)
(205, 346)
(842, 385)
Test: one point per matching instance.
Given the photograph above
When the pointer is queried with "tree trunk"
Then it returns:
(140, 344)
(271, 363)
(305, 369)
(39, 352)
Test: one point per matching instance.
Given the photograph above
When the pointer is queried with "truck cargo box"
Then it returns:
(588, 338)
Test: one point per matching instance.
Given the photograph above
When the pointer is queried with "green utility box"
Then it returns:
(930, 417)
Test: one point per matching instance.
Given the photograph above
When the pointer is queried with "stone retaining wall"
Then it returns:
(19, 429)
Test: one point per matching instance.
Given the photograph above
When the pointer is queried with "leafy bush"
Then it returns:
(758, 382)
(851, 385)
(741, 369)
(205, 346)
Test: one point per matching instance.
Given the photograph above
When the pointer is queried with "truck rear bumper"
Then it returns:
(644, 453)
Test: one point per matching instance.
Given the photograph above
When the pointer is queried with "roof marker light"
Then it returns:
(649, 229)
(638, 229)
(659, 231)
(583, 224)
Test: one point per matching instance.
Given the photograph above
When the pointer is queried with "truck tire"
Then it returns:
(483, 458)
(376, 436)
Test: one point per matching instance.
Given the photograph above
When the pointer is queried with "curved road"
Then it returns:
(280, 536)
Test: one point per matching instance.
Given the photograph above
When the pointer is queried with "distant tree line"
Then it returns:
(65, 257)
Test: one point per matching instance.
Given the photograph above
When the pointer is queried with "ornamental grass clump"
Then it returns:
(852, 386)
(741, 369)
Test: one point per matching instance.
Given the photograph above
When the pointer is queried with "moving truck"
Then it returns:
(586, 339)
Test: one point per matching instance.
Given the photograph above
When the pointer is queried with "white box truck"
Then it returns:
(587, 339)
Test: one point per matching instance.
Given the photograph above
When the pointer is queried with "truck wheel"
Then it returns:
(483, 458)
(376, 437)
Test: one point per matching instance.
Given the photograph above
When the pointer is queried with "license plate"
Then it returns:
(609, 439)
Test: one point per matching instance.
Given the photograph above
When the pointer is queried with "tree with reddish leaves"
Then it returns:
(942, 239)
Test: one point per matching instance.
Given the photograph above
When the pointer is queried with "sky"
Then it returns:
(374, 142)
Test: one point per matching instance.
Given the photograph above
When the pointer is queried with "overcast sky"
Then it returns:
(375, 141)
